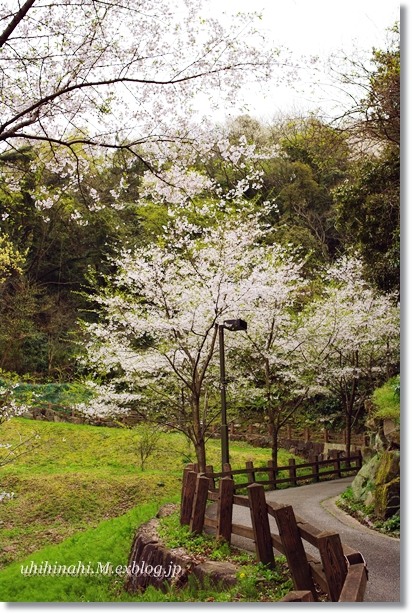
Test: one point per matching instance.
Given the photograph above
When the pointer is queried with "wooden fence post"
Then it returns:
(315, 467)
(333, 562)
(213, 428)
(228, 467)
(355, 584)
(293, 547)
(225, 509)
(336, 462)
(298, 596)
(232, 428)
(307, 434)
(292, 471)
(289, 431)
(199, 504)
(250, 473)
(271, 474)
(260, 524)
(186, 470)
(209, 474)
(326, 435)
(359, 459)
(187, 498)
(250, 429)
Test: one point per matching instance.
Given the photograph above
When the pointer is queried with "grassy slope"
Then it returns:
(109, 542)
(82, 475)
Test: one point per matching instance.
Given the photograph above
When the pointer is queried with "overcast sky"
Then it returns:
(311, 27)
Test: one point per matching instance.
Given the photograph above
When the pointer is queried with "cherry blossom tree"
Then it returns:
(119, 74)
(268, 367)
(351, 338)
(155, 342)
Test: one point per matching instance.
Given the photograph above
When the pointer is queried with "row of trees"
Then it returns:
(154, 346)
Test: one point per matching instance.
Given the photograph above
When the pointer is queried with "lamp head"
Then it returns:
(235, 324)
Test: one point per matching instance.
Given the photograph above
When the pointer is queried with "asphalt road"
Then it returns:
(314, 503)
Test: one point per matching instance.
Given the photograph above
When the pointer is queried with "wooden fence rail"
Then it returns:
(341, 465)
(340, 571)
(302, 434)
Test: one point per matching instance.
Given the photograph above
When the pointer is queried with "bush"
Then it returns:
(386, 400)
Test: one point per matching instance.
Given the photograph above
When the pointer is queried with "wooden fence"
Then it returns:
(313, 470)
(302, 434)
(340, 571)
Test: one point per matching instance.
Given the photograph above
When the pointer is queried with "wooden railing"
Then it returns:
(340, 571)
(313, 470)
(302, 434)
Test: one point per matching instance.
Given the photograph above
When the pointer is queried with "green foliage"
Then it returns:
(319, 146)
(381, 106)
(386, 400)
(368, 216)
(365, 514)
(392, 525)
(256, 581)
(368, 201)
(146, 441)
(260, 583)
(25, 392)
(75, 230)
(322, 412)
(11, 260)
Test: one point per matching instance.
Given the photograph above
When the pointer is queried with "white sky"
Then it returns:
(311, 27)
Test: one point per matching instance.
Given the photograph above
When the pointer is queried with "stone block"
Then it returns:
(216, 574)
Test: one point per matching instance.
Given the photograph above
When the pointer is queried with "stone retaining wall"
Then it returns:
(153, 564)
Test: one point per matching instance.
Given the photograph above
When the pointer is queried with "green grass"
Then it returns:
(79, 495)
(255, 581)
(386, 400)
(109, 542)
(80, 475)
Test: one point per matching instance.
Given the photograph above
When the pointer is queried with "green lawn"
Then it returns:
(80, 475)
(109, 542)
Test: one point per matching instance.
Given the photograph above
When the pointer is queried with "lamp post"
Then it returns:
(224, 432)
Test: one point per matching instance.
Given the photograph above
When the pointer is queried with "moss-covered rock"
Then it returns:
(365, 479)
(387, 499)
(389, 468)
(387, 495)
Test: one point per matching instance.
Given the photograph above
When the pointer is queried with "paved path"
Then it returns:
(314, 503)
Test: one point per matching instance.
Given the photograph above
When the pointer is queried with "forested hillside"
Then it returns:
(74, 227)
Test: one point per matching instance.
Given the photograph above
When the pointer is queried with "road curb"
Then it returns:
(330, 506)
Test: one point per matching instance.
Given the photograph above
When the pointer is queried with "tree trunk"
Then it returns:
(274, 434)
(350, 401)
(200, 450)
(348, 430)
(198, 428)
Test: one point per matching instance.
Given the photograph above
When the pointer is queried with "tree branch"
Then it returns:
(15, 21)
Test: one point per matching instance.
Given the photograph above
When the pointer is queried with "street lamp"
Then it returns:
(224, 433)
